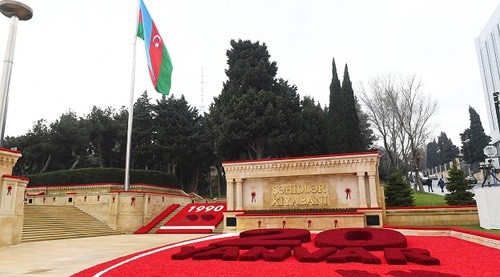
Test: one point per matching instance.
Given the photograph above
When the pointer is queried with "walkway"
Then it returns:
(437, 189)
(68, 256)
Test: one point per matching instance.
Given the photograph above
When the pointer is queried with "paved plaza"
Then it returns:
(68, 256)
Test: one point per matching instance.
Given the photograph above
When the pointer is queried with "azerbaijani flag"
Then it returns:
(159, 62)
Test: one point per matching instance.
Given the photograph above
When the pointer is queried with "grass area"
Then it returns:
(478, 228)
(429, 199)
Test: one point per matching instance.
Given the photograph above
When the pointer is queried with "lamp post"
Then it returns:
(469, 156)
(15, 11)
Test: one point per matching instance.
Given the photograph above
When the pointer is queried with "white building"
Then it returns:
(488, 51)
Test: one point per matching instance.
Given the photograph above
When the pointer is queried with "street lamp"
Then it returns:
(469, 156)
(15, 11)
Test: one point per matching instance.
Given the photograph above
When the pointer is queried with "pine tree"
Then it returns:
(397, 192)
(458, 188)
(474, 139)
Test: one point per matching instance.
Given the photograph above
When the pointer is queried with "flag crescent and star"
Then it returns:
(159, 62)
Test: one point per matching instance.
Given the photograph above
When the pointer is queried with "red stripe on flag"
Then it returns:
(156, 53)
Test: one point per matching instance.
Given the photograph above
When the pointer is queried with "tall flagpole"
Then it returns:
(131, 106)
(16, 11)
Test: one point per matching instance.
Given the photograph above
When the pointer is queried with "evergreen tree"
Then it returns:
(343, 125)
(440, 152)
(447, 150)
(351, 119)
(143, 150)
(255, 116)
(71, 134)
(367, 135)
(474, 139)
(458, 187)
(337, 140)
(397, 192)
(103, 136)
(313, 128)
(432, 154)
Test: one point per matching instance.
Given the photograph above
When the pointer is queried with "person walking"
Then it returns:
(429, 184)
(441, 184)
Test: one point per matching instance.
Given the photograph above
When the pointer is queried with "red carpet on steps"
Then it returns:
(195, 218)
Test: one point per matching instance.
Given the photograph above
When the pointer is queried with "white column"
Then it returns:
(230, 194)
(373, 190)
(362, 190)
(239, 194)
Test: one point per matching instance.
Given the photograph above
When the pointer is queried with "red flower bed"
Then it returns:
(195, 218)
(367, 238)
(458, 258)
(268, 238)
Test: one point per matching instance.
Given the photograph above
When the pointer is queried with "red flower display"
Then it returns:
(195, 218)
(347, 193)
(253, 195)
(334, 246)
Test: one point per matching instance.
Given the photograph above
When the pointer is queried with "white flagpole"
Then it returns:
(131, 106)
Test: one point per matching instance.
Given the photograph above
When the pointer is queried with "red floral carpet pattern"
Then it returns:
(457, 258)
(195, 218)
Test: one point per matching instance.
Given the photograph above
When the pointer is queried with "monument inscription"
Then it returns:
(299, 195)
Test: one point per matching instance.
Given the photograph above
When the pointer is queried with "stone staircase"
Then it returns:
(219, 229)
(153, 231)
(60, 222)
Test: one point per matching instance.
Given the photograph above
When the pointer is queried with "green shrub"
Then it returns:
(103, 175)
(397, 192)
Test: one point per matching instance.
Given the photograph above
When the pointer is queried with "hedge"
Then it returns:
(103, 175)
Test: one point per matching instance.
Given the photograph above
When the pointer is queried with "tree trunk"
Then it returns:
(257, 147)
(99, 148)
(77, 159)
(219, 180)
(196, 178)
(46, 164)
(210, 184)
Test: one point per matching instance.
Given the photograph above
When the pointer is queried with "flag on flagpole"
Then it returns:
(159, 62)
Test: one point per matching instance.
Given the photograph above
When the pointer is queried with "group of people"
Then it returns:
(441, 184)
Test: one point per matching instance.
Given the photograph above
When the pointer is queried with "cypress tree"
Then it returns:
(337, 141)
(351, 121)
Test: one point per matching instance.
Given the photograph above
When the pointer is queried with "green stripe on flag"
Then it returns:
(165, 77)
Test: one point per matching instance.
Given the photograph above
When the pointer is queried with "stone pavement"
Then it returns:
(68, 256)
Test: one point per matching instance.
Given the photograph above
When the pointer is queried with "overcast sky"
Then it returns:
(75, 54)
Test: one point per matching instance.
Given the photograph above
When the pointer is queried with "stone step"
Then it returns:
(60, 222)
(69, 236)
(161, 223)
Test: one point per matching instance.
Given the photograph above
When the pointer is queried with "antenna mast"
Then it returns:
(201, 108)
